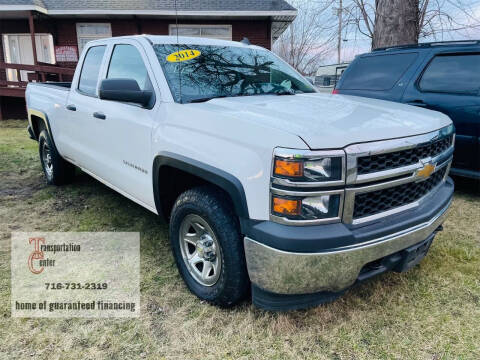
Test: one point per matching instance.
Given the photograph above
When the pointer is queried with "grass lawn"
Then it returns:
(430, 312)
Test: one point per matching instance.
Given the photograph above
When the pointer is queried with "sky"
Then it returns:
(356, 43)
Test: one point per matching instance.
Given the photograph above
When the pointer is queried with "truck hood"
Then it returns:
(326, 121)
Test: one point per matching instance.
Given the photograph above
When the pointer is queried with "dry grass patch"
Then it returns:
(431, 312)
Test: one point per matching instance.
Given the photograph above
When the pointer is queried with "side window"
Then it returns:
(91, 70)
(126, 63)
(452, 74)
(377, 72)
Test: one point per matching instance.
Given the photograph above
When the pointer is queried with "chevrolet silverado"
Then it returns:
(269, 187)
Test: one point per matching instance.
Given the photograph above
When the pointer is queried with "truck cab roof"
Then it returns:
(185, 40)
(159, 39)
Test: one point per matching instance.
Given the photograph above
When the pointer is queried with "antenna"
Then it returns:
(178, 49)
(176, 20)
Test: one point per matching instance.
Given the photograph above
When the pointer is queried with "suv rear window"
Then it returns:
(380, 72)
(453, 74)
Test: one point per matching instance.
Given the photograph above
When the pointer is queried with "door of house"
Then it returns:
(18, 50)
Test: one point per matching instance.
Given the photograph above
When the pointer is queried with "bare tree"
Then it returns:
(315, 33)
(309, 39)
(396, 22)
(434, 20)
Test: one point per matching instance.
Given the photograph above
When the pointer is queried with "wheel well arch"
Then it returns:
(38, 124)
(38, 121)
(173, 174)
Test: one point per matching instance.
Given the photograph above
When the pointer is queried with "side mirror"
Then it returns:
(125, 90)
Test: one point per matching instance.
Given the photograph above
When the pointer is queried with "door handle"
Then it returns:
(418, 103)
(71, 107)
(99, 115)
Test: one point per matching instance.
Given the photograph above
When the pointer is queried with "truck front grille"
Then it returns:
(392, 160)
(371, 203)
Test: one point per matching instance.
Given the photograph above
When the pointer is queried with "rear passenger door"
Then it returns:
(79, 123)
(450, 83)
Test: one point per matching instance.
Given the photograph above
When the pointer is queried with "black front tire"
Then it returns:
(214, 207)
(57, 171)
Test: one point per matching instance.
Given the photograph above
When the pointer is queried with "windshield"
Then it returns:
(200, 73)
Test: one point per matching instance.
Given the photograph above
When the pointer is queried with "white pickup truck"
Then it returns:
(270, 188)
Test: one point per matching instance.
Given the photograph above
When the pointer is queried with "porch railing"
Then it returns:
(39, 73)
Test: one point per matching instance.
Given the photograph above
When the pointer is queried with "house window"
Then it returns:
(18, 50)
(221, 32)
(92, 31)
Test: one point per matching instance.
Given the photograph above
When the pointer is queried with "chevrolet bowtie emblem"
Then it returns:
(426, 171)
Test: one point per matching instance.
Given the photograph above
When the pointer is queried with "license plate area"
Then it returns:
(413, 255)
(398, 262)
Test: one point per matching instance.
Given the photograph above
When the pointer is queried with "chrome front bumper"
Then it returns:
(284, 272)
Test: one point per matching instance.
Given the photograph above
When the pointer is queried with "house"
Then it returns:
(59, 29)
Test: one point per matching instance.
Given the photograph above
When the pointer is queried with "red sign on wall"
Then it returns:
(66, 53)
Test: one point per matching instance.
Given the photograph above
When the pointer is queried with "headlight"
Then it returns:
(309, 208)
(301, 184)
(309, 168)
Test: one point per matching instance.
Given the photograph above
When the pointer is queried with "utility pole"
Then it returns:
(340, 26)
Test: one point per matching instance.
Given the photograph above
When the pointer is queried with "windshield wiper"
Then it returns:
(208, 98)
(285, 92)
(205, 99)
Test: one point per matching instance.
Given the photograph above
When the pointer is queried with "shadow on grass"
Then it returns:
(466, 186)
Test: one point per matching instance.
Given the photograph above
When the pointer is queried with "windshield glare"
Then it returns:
(226, 71)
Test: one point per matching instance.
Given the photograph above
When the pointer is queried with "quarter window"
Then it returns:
(127, 63)
(91, 70)
(452, 74)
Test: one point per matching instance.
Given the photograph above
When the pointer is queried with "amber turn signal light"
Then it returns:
(288, 168)
(287, 206)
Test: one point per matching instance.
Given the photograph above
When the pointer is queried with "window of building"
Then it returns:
(453, 74)
(91, 70)
(92, 31)
(127, 63)
(18, 50)
(221, 32)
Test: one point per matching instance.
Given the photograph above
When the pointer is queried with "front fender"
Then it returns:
(229, 183)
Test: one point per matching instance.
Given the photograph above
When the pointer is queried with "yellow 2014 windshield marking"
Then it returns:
(183, 55)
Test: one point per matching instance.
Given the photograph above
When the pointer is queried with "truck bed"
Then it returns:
(48, 98)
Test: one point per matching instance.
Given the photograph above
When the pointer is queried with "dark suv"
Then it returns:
(441, 76)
